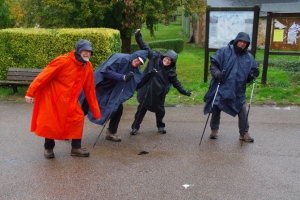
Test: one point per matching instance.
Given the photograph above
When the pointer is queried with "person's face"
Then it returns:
(136, 62)
(85, 55)
(167, 61)
(242, 44)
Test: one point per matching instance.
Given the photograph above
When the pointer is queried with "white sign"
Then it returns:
(225, 25)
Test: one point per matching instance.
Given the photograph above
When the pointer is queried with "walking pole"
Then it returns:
(150, 81)
(212, 104)
(110, 113)
(249, 107)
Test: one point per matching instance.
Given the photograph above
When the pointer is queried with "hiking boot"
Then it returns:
(213, 134)
(162, 130)
(112, 136)
(246, 137)
(48, 153)
(79, 152)
(133, 131)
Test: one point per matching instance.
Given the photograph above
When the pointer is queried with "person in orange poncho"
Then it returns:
(57, 114)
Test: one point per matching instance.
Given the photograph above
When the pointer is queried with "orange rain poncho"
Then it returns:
(57, 113)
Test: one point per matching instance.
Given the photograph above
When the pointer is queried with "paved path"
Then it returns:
(174, 168)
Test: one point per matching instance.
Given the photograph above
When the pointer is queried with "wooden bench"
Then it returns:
(19, 76)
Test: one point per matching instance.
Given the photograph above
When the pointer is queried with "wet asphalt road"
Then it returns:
(174, 168)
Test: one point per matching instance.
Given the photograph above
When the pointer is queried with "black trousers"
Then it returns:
(216, 116)
(115, 119)
(140, 114)
(50, 143)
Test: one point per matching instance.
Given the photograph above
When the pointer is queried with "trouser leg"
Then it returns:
(49, 143)
(242, 120)
(115, 119)
(159, 119)
(215, 119)
(85, 107)
(76, 143)
(139, 116)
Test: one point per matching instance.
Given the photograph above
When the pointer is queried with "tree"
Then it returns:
(123, 15)
(15, 11)
(5, 19)
(128, 15)
(56, 13)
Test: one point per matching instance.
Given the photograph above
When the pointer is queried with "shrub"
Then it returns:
(35, 47)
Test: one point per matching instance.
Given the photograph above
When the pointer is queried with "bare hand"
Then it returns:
(29, 99)
(137, 31)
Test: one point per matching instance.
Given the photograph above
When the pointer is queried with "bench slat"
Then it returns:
(13, 69)
(22, 73)
(20, 78)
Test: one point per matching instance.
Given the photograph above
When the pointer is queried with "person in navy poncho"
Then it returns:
(119, 72)
(233, 66)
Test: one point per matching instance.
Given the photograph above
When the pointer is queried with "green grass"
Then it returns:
(6, 93)
(283, 76)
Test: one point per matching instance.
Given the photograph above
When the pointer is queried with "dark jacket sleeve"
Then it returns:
(143, 45)
(214, 69)
(140, 42)
(144, 80)
(113, 76)
(176, 83)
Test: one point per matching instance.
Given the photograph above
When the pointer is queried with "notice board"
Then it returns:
(225, 25)
(285, 33)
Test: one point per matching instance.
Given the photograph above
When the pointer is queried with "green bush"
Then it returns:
(35, 47)
(174, 44)
(290, 67)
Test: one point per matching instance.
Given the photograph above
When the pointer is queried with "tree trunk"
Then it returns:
(126, 44)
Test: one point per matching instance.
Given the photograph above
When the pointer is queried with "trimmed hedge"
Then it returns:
(35, 47)
(174, 44)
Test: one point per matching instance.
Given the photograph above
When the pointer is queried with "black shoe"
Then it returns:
(162, 130)
(133, 131)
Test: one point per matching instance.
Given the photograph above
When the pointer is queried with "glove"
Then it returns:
(188, 93)
(128, 76)
(250, 78)
(219, 75)
(153, 72)
(255, 73)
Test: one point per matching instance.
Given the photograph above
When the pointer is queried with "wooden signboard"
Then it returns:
(282, 37)
(285, 32)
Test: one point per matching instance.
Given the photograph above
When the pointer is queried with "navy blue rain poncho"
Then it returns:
(108, 91)
(238, 67)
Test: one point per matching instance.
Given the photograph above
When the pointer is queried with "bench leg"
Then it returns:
(15, 89)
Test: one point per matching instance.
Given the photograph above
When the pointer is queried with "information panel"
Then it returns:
(225, 25)
(285, 33)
